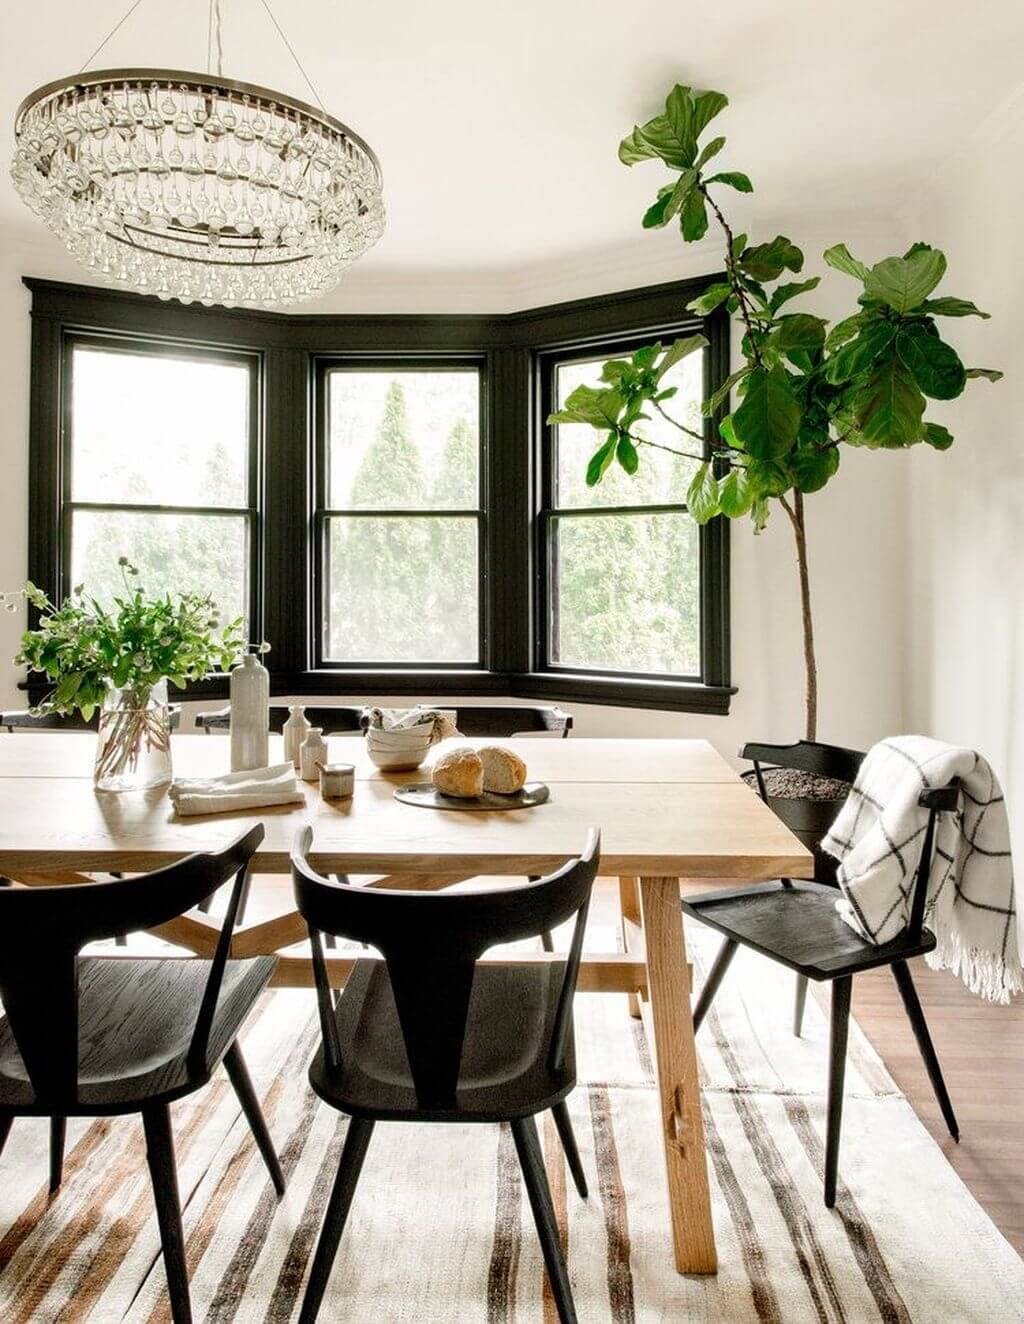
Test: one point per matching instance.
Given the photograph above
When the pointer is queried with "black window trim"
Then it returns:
(322, 366)
(251, 512)
(288, 347)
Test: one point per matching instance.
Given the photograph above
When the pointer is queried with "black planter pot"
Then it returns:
(808, 818)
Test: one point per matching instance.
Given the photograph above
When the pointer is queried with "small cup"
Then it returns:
(337, 780)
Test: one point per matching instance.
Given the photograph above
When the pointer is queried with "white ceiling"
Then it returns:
(497, 125)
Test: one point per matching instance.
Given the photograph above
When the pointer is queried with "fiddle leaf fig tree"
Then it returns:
(805, 389)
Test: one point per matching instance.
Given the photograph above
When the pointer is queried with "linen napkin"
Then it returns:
(878, 838)
(254, 789)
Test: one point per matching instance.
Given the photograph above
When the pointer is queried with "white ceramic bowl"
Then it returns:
(396, 750)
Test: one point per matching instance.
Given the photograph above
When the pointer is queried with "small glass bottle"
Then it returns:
(313, 753)
(295, 731)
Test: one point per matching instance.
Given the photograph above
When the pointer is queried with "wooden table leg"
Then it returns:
(675, 1062)
(629, 910)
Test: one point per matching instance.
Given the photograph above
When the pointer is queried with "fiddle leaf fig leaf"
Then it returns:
(591, 404)
(689, 113)
(936, 366)
(937, 436)
(783, 293)
(992, 374)
(768, 261)
(693, 216)
(708, 151)
(614, 369)
(840, 257)
(845, 330)
(680, 349)
(767, 421)
(635, 147)
(800, 331)
(669, 200)
(735, 496)
(702, 498)
(905, 282)
(734, 178)
(856, 356)
(715, 401)
(813, 466)
(948, 307)
(708, 301)
(888, 405)
(626, 454)
(600, 460)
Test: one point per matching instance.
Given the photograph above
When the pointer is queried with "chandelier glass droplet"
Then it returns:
(195, 187)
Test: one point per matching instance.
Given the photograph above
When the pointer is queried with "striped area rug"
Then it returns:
(441, 1232)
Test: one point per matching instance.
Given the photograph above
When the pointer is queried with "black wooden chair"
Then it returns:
(808, 820)
(332, 721)
(505, 720)
(23, 719)
(796, 924)
(428, 1035)
(89, 1036)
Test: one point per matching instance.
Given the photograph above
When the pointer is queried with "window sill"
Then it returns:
(565, 687)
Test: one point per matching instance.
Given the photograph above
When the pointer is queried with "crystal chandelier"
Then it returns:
(196, 187)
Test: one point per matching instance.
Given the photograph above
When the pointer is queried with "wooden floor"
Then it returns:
(980, 1046)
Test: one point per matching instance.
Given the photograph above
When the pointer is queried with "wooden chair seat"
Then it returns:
(136, 1020)
(503, 1072)
(797, 924)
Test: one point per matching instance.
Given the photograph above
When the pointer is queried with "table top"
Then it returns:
(71, 754)
(665, 808)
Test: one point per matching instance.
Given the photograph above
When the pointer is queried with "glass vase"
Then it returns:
(133, 739)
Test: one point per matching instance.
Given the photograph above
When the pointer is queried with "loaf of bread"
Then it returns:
(504, 772)
(460, 773)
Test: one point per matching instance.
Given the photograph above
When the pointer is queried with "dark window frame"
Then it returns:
(549, 511)
(323, 366)
(288, 347)
(251, 512)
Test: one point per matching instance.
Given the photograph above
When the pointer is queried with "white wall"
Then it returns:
(857, 536)
(964, 677)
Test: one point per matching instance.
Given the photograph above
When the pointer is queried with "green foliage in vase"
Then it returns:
(805, 389)
(86, 648)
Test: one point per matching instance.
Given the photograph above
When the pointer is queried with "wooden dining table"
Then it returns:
(668, 810)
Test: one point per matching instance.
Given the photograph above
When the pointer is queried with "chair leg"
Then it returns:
(234, 1064)
(164, 1174)
(715, 976)
(901, 973)
(841, 990)
(563, 1123)
(357, 1141)
(547, 942)
(524, 1132)
(6, 1122)
(799, 1004)
(243, 899)
(58, 1130)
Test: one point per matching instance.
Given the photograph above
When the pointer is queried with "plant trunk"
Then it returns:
(796, 515)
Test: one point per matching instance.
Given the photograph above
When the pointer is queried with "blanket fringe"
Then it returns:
(985, 973)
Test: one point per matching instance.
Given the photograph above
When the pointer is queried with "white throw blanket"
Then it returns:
(255, 789)
(878, 838)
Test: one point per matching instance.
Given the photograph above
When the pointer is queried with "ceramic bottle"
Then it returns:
(295, 731)
(250, 714)
(314, 751)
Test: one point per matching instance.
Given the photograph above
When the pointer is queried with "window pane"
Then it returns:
(661, 478)
(402, 590)
(403, 440)
(626, 593)
(159, 430)
(202, 553)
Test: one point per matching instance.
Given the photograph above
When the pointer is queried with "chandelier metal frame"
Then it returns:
(197, 186)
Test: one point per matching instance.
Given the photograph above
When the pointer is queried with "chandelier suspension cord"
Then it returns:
(120, 23)
(291, 52)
